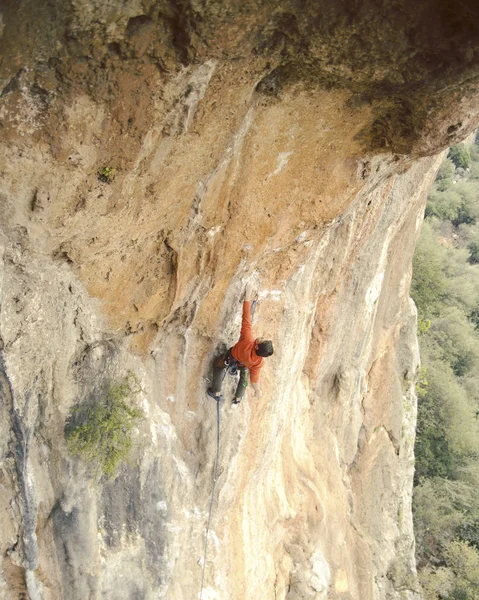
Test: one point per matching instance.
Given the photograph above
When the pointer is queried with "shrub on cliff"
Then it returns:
(100, 431)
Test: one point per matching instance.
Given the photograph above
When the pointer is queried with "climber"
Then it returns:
(247, 355)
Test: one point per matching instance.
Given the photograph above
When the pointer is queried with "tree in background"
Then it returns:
(460, 156)
(445, 288)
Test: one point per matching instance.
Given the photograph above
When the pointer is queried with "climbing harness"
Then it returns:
(232, 369)
(231, 364)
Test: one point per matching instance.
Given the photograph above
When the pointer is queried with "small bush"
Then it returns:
(423, 325)
(107, 174)
(422, 383)
(99, 432)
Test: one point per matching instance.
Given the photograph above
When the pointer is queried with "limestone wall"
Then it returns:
(251, 141)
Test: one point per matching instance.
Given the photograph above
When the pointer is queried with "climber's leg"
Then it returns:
(219, 370)
(242, 385)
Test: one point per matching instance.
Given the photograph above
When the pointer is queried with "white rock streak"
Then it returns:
(281, 161)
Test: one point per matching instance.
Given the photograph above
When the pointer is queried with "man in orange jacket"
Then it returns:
(246, 355)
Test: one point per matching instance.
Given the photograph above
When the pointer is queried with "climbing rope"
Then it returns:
(253, 308)
(212, 494)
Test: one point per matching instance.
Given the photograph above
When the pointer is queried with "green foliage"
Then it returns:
(456, 340)
(443, 204)
(459, 155)
(446, 170)
(433, 453)
(462, 280)
(429, 284)
(454, 202)
(440, 508)
(445, 287)
(107, 174)
(422, 383)
(467, 209)
(447, 430)
(474, 174)
(445, 175)
(100, 431)
(474, 318)
(423, 325)
(469, 532)
(434, 457)
(436, 583)
(443, 185)
(464, 563)
(473, 248)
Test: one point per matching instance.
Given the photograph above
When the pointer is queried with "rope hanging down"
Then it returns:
(212, 495)
(215, 476)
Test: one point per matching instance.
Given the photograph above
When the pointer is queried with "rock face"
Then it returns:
(290, 143)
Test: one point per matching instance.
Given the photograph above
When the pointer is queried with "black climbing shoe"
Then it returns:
(210, 393)
(235, 401)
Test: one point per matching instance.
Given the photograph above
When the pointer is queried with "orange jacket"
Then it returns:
(244, 350)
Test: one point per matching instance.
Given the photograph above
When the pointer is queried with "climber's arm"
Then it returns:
(246, 326)
(254, 379)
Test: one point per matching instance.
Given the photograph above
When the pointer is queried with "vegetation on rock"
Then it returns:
(107, 174)
(446, 290)
(99, 431)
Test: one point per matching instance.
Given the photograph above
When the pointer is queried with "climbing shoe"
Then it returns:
(210, 393)
(235, 401)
